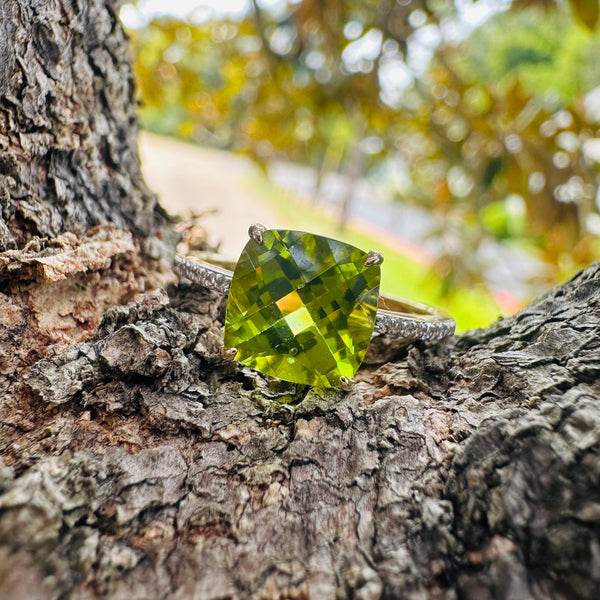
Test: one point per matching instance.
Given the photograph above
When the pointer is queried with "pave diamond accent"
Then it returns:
(203, 274)
(394, 325)
(302, 307)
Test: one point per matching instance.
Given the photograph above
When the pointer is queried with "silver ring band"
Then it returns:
(395, 317)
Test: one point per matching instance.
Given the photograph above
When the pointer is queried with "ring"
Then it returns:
(303, 307)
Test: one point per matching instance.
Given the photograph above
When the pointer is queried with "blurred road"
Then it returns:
(191, 179)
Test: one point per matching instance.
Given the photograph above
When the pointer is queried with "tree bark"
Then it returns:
(138, 463)
(68, 130)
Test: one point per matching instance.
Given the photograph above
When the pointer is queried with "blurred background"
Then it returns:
(460, 138)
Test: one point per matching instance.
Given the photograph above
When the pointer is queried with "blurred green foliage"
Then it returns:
(491, 129)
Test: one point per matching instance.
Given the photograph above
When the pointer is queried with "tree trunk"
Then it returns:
(68, 130)
(138, 463)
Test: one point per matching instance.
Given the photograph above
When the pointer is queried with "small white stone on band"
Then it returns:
(203, 274)
(433, 325)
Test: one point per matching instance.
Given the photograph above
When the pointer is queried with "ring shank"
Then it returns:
(395, 316)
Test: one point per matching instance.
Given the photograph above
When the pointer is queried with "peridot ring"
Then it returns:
(304, 307)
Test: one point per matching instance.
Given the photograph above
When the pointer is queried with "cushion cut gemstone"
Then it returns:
(302, 307)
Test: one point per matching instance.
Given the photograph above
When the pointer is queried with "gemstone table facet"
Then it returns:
(302, 307)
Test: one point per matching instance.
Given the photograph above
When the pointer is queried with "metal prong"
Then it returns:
(345, 383)
(374, 257)
(255, 232)
(228, 353)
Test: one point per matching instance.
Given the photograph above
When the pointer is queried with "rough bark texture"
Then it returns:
(68, 131)
(138, 463)
(146, 466)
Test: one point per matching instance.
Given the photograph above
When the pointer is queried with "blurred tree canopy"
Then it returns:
(493, 127)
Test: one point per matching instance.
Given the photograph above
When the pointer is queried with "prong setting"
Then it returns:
(374, 257)
(345, 383)
(256, 231)
(228, 353)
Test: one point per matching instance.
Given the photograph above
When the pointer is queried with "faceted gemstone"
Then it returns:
(302, 307)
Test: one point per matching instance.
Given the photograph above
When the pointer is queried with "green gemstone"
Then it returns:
(302, 307)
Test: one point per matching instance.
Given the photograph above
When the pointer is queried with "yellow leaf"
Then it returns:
(587, 11)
